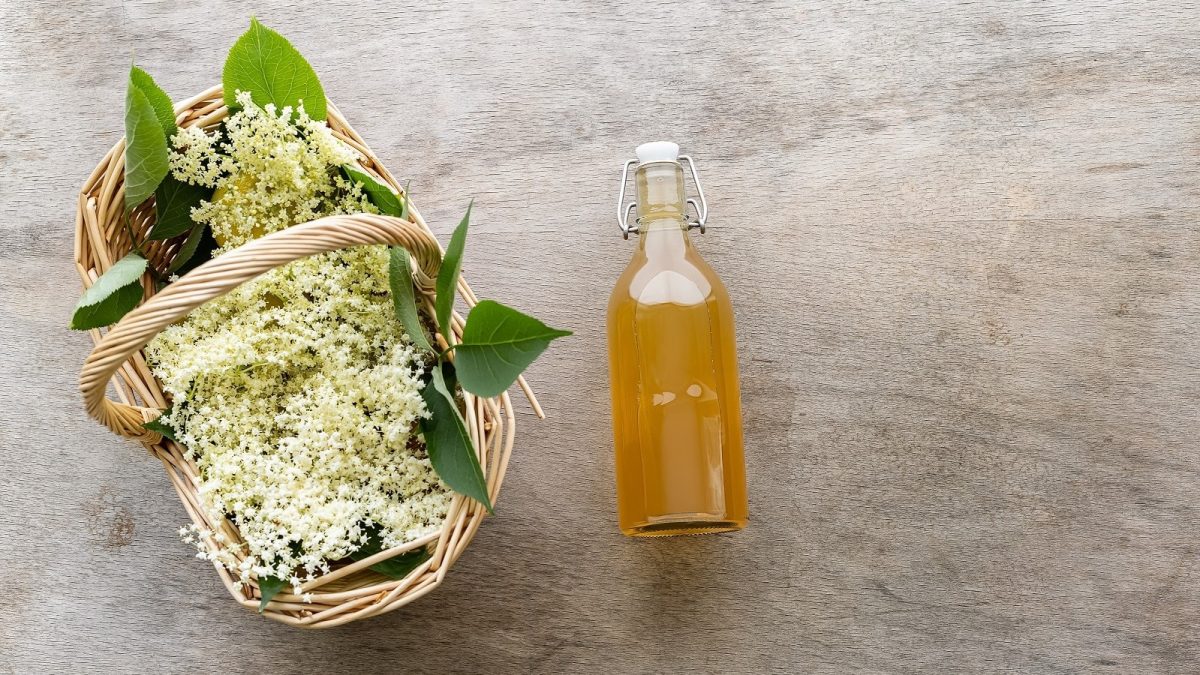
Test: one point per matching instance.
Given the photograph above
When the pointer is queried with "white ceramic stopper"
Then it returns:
(658, 151)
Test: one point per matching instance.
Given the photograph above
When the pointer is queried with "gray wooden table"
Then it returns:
(962, 241)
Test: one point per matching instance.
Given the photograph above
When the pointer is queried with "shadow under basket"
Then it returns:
(350, 591)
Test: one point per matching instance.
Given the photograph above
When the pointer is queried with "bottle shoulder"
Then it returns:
(686, 280)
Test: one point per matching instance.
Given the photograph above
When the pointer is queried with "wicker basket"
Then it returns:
(350, 591)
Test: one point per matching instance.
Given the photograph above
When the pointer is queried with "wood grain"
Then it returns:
(962, 241)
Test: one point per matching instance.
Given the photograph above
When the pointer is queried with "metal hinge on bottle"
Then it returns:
(623, 209)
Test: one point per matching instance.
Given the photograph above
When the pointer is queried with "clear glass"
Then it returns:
(677, 417)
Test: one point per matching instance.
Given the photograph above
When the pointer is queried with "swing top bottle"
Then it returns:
(673, 365)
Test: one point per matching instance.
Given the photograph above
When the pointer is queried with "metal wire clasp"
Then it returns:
(623, 209)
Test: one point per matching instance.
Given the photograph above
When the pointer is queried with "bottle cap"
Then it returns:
(658, 151)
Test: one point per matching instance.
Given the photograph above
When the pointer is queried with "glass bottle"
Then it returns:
(673, 365)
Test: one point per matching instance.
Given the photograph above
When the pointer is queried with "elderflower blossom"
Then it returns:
(297, 393)
(271, 172)
(195, 159)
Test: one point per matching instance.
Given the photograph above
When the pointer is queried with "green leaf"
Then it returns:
(173, 204)
(265, 64)
(157, 424)
(110, 310)
(269, 587)
(145, 147)
(404, 206)
(389, 203)
(396, 567)
(196, 250)
(403, 297)
(451, 451)
(126, 271)
(498, 344)
(112, 296)
(447, 279)
(164, 110)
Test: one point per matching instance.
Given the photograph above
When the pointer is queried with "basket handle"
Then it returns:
(221, 275)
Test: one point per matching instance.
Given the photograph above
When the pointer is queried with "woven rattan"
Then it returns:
(349, 591)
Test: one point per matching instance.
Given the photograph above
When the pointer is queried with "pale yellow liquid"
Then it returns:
(673, 364)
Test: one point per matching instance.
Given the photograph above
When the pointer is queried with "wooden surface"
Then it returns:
(962, 242)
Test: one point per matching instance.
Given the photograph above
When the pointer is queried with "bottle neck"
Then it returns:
(660, 208)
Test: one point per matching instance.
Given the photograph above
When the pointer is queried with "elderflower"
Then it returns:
(297, 394)
(270, 172)
(195, 159)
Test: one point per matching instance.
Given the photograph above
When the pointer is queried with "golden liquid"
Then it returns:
(673, 365)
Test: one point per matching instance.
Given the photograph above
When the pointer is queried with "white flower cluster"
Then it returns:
(298, 392)
(270, 172)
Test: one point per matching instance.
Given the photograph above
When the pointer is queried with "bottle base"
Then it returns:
(674, 528)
